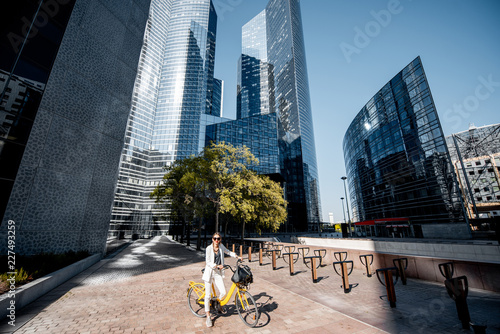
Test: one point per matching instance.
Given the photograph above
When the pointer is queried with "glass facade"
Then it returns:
(255, 75)
(25, 66)
(258, 133)
(290, 90)
(396, 157)
(174, 89)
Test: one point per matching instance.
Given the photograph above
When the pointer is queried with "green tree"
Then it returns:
(219, 176)
(181, 191)
(226, 165)
(256, 199)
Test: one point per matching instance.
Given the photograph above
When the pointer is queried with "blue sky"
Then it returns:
(353, 48)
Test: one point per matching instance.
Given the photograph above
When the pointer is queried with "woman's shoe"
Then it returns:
(209, 322)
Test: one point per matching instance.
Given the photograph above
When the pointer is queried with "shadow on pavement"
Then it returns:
(265, 306)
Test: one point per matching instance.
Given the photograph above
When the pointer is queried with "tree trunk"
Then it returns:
(243, 233)
(198, 243)
(217, 206)
(183, 230)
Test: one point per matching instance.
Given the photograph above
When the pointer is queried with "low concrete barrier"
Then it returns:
(480, 262)
(29, 292)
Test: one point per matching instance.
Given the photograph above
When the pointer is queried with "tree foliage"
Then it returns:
(220, 176)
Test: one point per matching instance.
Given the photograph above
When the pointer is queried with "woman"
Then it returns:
(214, 255)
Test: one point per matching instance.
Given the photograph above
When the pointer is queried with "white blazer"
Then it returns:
(210, 260)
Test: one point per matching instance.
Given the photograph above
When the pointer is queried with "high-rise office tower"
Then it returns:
(397, 162)
(173, 94)
(273, 94)
(255, 75)
(286, 54)
(67, 69)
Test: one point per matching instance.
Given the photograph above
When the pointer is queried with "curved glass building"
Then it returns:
(396, 156)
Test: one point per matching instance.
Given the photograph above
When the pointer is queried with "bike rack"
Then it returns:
(366, 263)
(340, 256)
(321, 253)
(458, 289)
(289, 249)
(389, 283)
(291, 260)
(447, 269)
(345, 274)
(303, 251)
(314, 272)
(250, 253)
(398, 263)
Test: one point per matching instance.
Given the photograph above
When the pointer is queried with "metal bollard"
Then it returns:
(446, 269)
(314, 266)
(345, 274)
(234, 248)
(458, 288)
(241, 251)
(398, 263)
(260, 256)
(389, 283)
(321, 253)
(289, 249)
(291, 260)
(340, 256)
(366, 263)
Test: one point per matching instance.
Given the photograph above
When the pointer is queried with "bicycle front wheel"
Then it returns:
(196, 301)
(247, 309)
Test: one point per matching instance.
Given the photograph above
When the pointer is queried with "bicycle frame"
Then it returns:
(223, 302)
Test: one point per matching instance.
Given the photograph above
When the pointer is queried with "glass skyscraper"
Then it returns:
(396, 156)
(290, 90)
(174, 89)
(274, 116)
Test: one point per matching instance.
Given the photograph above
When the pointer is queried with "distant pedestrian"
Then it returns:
(214, 256)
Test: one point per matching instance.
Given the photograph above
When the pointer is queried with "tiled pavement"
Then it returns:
(143, 290)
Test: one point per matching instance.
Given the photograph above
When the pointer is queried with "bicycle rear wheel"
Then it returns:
(195, 301)
(247, 309)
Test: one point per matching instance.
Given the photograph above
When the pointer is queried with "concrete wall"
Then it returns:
(480, 262)
(444, 231)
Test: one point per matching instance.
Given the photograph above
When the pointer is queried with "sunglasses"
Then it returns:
(215, 238)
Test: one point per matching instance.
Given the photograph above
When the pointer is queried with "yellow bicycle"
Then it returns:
(245, 304)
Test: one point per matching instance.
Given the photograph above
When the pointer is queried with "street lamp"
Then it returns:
(347, 204)
(343, 210)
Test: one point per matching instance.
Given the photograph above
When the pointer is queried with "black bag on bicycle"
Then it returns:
(242, 275)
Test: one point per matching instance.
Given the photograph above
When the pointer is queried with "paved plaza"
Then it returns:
(142, 289)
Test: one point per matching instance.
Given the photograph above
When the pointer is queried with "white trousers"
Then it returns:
(219, 283)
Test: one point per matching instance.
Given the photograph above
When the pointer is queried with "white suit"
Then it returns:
(212, 273)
